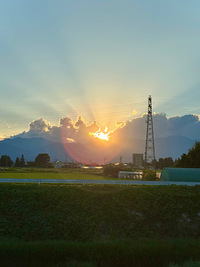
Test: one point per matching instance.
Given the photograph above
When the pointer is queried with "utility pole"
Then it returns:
(149, 148)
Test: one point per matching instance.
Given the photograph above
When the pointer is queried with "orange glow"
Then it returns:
(105, 135)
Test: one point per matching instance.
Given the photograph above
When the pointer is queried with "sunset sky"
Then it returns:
(98, 59)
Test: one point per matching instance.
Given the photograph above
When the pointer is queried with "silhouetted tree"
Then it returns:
(5, 161)
(22, 161)
(183, 162)
(194, 156)
(163, 162)
(17, 162)
(42, 160)
(192, 159)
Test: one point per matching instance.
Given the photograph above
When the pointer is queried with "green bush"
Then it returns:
(149, 175)
(112, 170)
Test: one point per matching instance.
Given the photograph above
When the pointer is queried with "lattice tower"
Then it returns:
(149, 148)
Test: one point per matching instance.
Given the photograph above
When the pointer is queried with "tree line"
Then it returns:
(42, 160)
(191, 159)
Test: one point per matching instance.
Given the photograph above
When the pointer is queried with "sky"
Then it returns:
(100, 59)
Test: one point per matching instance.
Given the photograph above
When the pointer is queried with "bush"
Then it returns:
(149, 175)
(112, 170)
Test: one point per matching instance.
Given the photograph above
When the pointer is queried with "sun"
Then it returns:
(105, 135)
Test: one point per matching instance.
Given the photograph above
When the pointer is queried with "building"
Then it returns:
(130, 175)
(138, 160)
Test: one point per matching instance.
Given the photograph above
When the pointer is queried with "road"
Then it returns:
(111, 182)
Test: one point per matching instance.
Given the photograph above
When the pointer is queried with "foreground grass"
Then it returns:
(98, 225)
(111, 253)
(98, 212)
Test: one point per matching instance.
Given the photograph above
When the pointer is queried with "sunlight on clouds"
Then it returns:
(70, 140)
(105, 135)
(134, 111)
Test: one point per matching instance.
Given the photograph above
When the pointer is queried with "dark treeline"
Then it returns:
(42, 160)
(20, 162)
(191, 159)
(163, 162)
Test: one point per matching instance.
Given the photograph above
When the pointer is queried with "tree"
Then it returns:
(183, 162)
(192, 159)
(163, 162)
(22, 161)
(42, 160)
(17, 162)
(5, 161)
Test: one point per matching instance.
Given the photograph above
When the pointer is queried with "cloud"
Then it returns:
(80, 122)
(78, 131)
(40, 125)
(66, 122)
(120, 124)
(67, 130)
(188, 126)
(134, 111)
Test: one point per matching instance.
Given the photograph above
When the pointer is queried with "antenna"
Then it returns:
(149, 148)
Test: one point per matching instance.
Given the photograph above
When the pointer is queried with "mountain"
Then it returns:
(172, 146)
(31, 147)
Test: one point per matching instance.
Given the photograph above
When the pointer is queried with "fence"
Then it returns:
(97, 182)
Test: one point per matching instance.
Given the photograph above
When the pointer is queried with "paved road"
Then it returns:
(120, 182)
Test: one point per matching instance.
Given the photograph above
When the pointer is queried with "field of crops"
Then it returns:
(85, 223)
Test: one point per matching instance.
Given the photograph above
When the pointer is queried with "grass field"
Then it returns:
(99, 225)
(140, 253)
(38, 173)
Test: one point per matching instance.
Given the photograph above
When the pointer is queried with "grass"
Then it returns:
(98, 212)
(52, 170)
(186, 264)
(104, 225)
(148, 253)
(59, 175)
(39, 173)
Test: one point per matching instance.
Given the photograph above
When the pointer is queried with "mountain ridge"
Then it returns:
(171, 146)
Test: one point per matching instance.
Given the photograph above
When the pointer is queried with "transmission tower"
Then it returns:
(149, 148)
